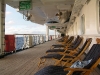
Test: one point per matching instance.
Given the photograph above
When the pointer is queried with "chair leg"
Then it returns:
(70, 73)
(59, 61)
(42, 61)
(52, 47)
(87, 73)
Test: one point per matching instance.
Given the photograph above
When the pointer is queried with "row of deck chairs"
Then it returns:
(67, 54)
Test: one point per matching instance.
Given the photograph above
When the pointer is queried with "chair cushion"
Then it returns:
(55, 56)
(51, 70)
(58, 45)
(55, 50)
(52, 56)
(80, 64)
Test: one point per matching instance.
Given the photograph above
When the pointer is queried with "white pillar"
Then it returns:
(55, 34)
(2, 26)
(47, 33)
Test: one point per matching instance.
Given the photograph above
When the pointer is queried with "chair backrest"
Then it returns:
(70, 39)
(75, 41)
(84, 47)
(98, 40)
(77, 44)
(93, 54)
(82, 50)
(65, 38)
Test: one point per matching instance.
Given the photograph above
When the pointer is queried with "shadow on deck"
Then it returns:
(25, 62)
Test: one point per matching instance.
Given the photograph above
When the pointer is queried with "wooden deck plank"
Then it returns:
(16, 63)
(97, 70)
(25, 62)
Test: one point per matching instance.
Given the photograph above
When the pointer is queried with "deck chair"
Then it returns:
(70, 46)
(76, 56)
(63, 39)
(68, 42)
(71, 57)
(98, 40)
(60, 55)
(94, 54)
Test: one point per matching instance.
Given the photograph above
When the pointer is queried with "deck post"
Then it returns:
(47, 33)
(55, 34)
(2, 27)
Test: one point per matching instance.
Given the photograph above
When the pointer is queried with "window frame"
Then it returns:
(98, 15)
(83, 24)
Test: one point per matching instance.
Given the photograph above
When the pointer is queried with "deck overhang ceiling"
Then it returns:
(43, 11)
(76, 11)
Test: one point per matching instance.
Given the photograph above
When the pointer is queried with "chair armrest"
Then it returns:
(76, 69)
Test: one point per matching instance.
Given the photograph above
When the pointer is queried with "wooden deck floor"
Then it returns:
(25, 62)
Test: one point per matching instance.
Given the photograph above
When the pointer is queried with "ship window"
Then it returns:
(76, 28)
(82, 24)
(99, 13)
(98, 27)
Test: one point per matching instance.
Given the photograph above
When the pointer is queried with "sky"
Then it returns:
(15, 24)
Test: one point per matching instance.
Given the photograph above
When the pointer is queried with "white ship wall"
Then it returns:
(90, 12)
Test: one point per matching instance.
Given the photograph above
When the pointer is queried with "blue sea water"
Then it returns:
(19, 42)
(23, 42)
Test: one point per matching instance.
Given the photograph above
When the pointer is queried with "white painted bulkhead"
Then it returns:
(90, 11)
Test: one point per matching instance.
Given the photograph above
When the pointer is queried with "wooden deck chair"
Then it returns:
(76, 56)
(93, 55)
(63, 39)
(60, 56)
(70, 48)
(68, 42)
(98, 40)
(73, 45)
(72, 57)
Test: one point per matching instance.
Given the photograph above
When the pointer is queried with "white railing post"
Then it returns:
(2, 26)
(47, 33)
(55, 34)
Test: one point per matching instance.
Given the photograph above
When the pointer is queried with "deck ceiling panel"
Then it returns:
(39, 12)
(50, 11)
(37, 18)
(55, 2)
(46, 10)
(14, 4)
(64, 7)
(76, 11)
